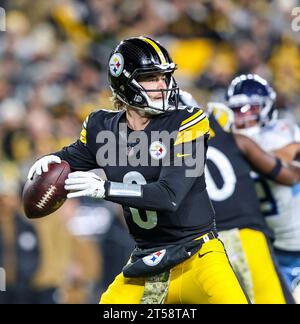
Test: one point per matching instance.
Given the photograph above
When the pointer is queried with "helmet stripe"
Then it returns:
(157, 49)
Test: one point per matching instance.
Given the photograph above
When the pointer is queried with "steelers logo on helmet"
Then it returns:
(157, 150)
(116, 64)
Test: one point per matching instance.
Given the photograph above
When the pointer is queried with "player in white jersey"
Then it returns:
(252, 100)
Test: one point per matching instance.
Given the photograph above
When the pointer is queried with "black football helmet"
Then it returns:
(137, 57)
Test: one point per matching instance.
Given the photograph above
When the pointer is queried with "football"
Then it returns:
(44, 194)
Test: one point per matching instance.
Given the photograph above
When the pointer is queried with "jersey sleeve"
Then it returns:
(78, 154)
(176, 179)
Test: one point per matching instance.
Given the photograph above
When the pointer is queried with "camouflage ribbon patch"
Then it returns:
(156, 288)
(238, 259)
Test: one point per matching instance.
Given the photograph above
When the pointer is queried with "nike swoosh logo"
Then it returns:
(182, 155)
(202, 255)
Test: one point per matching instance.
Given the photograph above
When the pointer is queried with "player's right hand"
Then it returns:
(41, 165)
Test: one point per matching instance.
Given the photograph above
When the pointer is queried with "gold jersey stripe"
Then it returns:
(222, 119)
(190, 134)
(192, 117)
(83, 131)
(202, 124)
(212, 134)
(223, 115)
(86, 121)
(193, 122)
(157, 49)
(83, 136)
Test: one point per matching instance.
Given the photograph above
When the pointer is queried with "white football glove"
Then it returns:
(85, 184)
(41, 165)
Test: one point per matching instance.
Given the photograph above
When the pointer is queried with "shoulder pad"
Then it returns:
(193, 124)
(95, 119)
(222, 114)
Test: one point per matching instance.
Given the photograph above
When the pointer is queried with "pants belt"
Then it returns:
(207, 237)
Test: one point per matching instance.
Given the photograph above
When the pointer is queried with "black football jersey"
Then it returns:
(230, 186)
(162, 203)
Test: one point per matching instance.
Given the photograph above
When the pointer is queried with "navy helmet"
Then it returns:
(252, 100)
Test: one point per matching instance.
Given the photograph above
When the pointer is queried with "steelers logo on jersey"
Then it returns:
(116, 64)
(157, 150)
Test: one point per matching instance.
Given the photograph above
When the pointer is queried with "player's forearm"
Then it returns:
(75, 163)
(77, 157)
(290, 173)
(289, 152)
(154, 196)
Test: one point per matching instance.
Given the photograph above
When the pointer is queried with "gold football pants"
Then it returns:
(267, 286)
(205, 278)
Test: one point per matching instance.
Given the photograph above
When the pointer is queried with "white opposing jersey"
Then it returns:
(282, 203)
(278, 134)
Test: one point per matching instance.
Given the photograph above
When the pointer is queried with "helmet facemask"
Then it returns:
(167, 98)
(247, 114)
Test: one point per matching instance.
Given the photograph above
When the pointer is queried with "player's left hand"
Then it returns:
(85, 184)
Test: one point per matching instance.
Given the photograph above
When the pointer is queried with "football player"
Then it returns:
(230, 158)
(252, 100)
(242, 227)
(178, 258)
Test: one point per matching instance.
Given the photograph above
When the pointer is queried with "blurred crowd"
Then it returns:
(53, 59)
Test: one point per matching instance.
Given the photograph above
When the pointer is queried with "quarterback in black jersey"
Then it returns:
(157, 209)
(153, 155)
